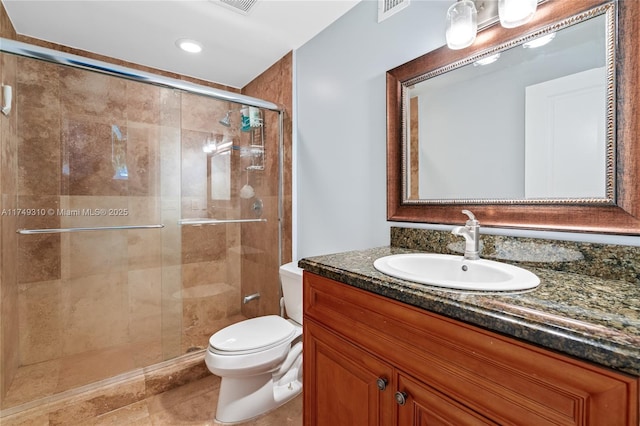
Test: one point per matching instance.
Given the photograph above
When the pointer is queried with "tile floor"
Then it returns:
(193, 404)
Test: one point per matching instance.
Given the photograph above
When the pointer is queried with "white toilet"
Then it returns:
(260, 359)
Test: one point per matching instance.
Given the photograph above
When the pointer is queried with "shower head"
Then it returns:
(225, 121)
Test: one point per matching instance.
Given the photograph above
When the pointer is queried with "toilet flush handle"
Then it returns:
(250, 297)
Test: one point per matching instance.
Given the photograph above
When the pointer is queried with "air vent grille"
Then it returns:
(240, 6)
(387, 8)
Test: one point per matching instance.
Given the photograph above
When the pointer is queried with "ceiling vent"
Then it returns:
(241, 6)
(387, 8)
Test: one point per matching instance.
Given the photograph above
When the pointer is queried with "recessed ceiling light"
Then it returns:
(190, 46)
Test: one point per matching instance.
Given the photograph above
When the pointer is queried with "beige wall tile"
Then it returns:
(207, 309)
(97, 98)
(143, 103)
(171, 311)
(9, 332)
(37, 98)
(97, 253)
(143, 159)
(203, 273)
(40, 318)
(194, 168)
(170, 162)
(89, 157)
(6, 27)
(145, 304)
(204, 243)
(170, 108)
(204, 114)
(95, 313)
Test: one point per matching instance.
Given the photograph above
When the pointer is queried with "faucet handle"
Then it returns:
(472, 219)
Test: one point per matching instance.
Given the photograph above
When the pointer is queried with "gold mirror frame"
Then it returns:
(620, 217)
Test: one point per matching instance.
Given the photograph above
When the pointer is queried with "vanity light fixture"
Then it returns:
(486, 61)
(464, 16)
(462, 24)
(190, 46)
(540, 41)
(514, 13)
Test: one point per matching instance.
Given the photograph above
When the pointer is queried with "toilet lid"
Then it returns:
(252, 334)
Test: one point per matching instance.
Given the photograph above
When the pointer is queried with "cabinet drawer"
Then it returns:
(506, 380)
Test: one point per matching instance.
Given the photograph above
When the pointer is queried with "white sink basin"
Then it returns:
(450, 271)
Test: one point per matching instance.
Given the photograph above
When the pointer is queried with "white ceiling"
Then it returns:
(236, 47)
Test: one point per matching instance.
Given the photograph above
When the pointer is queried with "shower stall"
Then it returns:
(138, 212)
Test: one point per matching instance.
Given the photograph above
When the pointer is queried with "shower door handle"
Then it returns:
(95, 228)
(216, 221)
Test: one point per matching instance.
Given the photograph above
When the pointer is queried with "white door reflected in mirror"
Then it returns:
(471, 129)
(565, 137)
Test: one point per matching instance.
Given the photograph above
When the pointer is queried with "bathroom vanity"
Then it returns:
(383, 351)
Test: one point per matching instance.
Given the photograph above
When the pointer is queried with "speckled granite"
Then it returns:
(598, 260)
(587, 305)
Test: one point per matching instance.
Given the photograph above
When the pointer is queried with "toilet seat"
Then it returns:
(252, 335)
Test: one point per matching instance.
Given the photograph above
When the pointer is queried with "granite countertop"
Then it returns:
(592, 318)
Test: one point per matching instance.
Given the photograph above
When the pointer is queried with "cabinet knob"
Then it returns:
(401, 398)
(382, 383)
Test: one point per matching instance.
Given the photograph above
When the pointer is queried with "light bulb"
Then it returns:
(190, 46)
(540, 41)
(486, 61)
(462, 24)
(514, 13)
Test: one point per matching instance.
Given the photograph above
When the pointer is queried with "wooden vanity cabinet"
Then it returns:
(370, 360)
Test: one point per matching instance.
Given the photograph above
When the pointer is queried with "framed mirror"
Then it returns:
(542, 136)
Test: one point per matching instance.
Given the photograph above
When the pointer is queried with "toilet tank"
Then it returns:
(291, 280)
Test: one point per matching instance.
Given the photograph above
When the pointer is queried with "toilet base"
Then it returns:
(243, 399)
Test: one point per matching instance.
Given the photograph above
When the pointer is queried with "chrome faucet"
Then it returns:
(471, 233)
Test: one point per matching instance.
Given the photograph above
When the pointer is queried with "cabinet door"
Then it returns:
(343, 385)
(421, 405)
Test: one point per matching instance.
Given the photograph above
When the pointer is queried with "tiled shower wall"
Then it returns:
(258, 274)
(8, 189)
(96, 290)
(167, 290)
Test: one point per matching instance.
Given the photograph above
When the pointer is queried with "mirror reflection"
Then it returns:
(532, 122)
